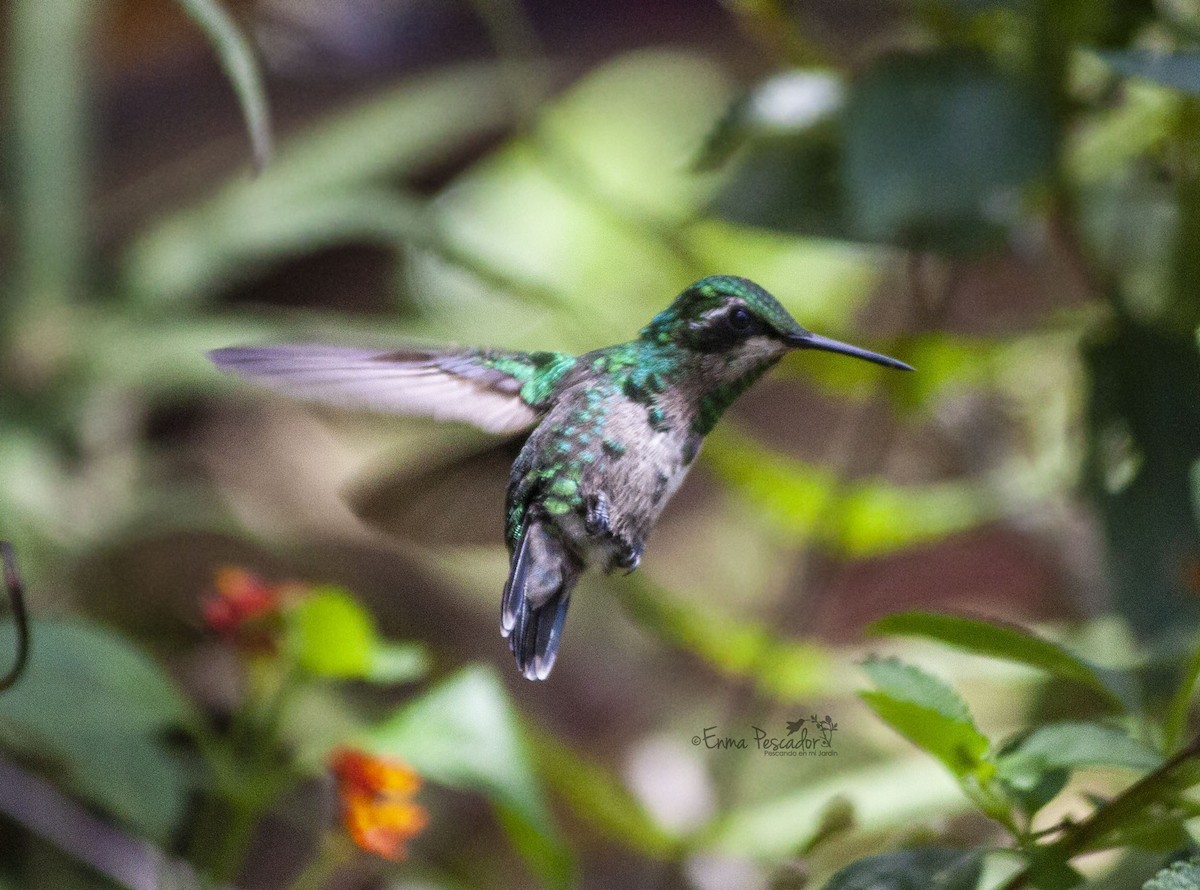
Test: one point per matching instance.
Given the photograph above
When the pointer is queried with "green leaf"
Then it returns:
(784, 105)
(928, 713)
(928, 868)
(885, 798)
(837, 818)
(241, 67)
(1179, 70)
(464, 733)
(863, 518)
(99, 710)
(331, 635)
(544, 853)
(790, 185)
(937, 148)
(789, 178)
(783, 669)
(1154, 830)
(1051, 873)
(600, 799)
(1178, 876)
(1003, 641)
(397, 662)
(1143, 431)
(906, 682)
(325, 187)
(1032, 796)
(1066, 746)
(48, 154)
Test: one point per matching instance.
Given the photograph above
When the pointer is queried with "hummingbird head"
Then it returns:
(734, 320)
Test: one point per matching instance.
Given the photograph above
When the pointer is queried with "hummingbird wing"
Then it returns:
(483, 387)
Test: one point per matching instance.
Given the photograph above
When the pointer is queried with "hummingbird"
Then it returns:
(611, 434)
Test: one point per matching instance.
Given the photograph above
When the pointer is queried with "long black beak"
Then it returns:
(809, 340)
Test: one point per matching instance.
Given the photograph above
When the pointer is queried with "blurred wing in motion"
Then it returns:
(480, 387)
(449, 499)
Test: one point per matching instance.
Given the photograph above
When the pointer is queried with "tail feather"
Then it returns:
(536, 596)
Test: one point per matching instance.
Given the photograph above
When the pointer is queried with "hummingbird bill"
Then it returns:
(610, 434)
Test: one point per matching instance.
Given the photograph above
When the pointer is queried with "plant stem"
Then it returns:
(335, 853)
(50, 82)
(1177, 713)
(1078, 838)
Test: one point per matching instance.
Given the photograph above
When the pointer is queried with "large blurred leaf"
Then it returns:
(1143, 439)
(240, 66)
(598, 798)
(592, 204)
(1179, 706)
(930, 868)
(790, 177)
(97, 711)
(885, 798)
(331, 635)
(397, 662)
(938, 148)
(927, 712)
(324, 188)
(784, 669)
(868, 518)
(464, 733)
(784, 105)
(1005, 641)
(1066, 746)
(789, 185)
(46, 152)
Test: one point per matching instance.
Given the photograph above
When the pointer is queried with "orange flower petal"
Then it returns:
(376, 775)
(240, 597)
(375, 794)
(382, 826)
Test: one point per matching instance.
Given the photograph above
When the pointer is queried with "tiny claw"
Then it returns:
(596, 521)
(629, 557)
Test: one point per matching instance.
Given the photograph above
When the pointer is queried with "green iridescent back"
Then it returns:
(539, 373)
(639, 371)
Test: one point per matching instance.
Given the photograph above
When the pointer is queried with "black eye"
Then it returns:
(739, 319)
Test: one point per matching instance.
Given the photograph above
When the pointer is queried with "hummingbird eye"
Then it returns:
(739, 319)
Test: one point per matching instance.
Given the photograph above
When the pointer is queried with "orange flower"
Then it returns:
(241, 598)
(376, 797)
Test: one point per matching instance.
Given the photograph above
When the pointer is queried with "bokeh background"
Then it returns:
(1004, 194)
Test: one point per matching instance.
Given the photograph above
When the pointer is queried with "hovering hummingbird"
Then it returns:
(612, 432)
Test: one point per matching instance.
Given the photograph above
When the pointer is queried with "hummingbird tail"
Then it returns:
(534, 607)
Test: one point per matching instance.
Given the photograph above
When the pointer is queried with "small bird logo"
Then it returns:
(793, 726)
(610, 434)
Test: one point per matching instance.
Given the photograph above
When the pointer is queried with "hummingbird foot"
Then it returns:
(627, 556)
(595, 522)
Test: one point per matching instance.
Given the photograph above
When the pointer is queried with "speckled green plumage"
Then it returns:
(538, 372)
(577, 445)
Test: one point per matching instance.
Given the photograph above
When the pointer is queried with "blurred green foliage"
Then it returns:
(886, 188)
